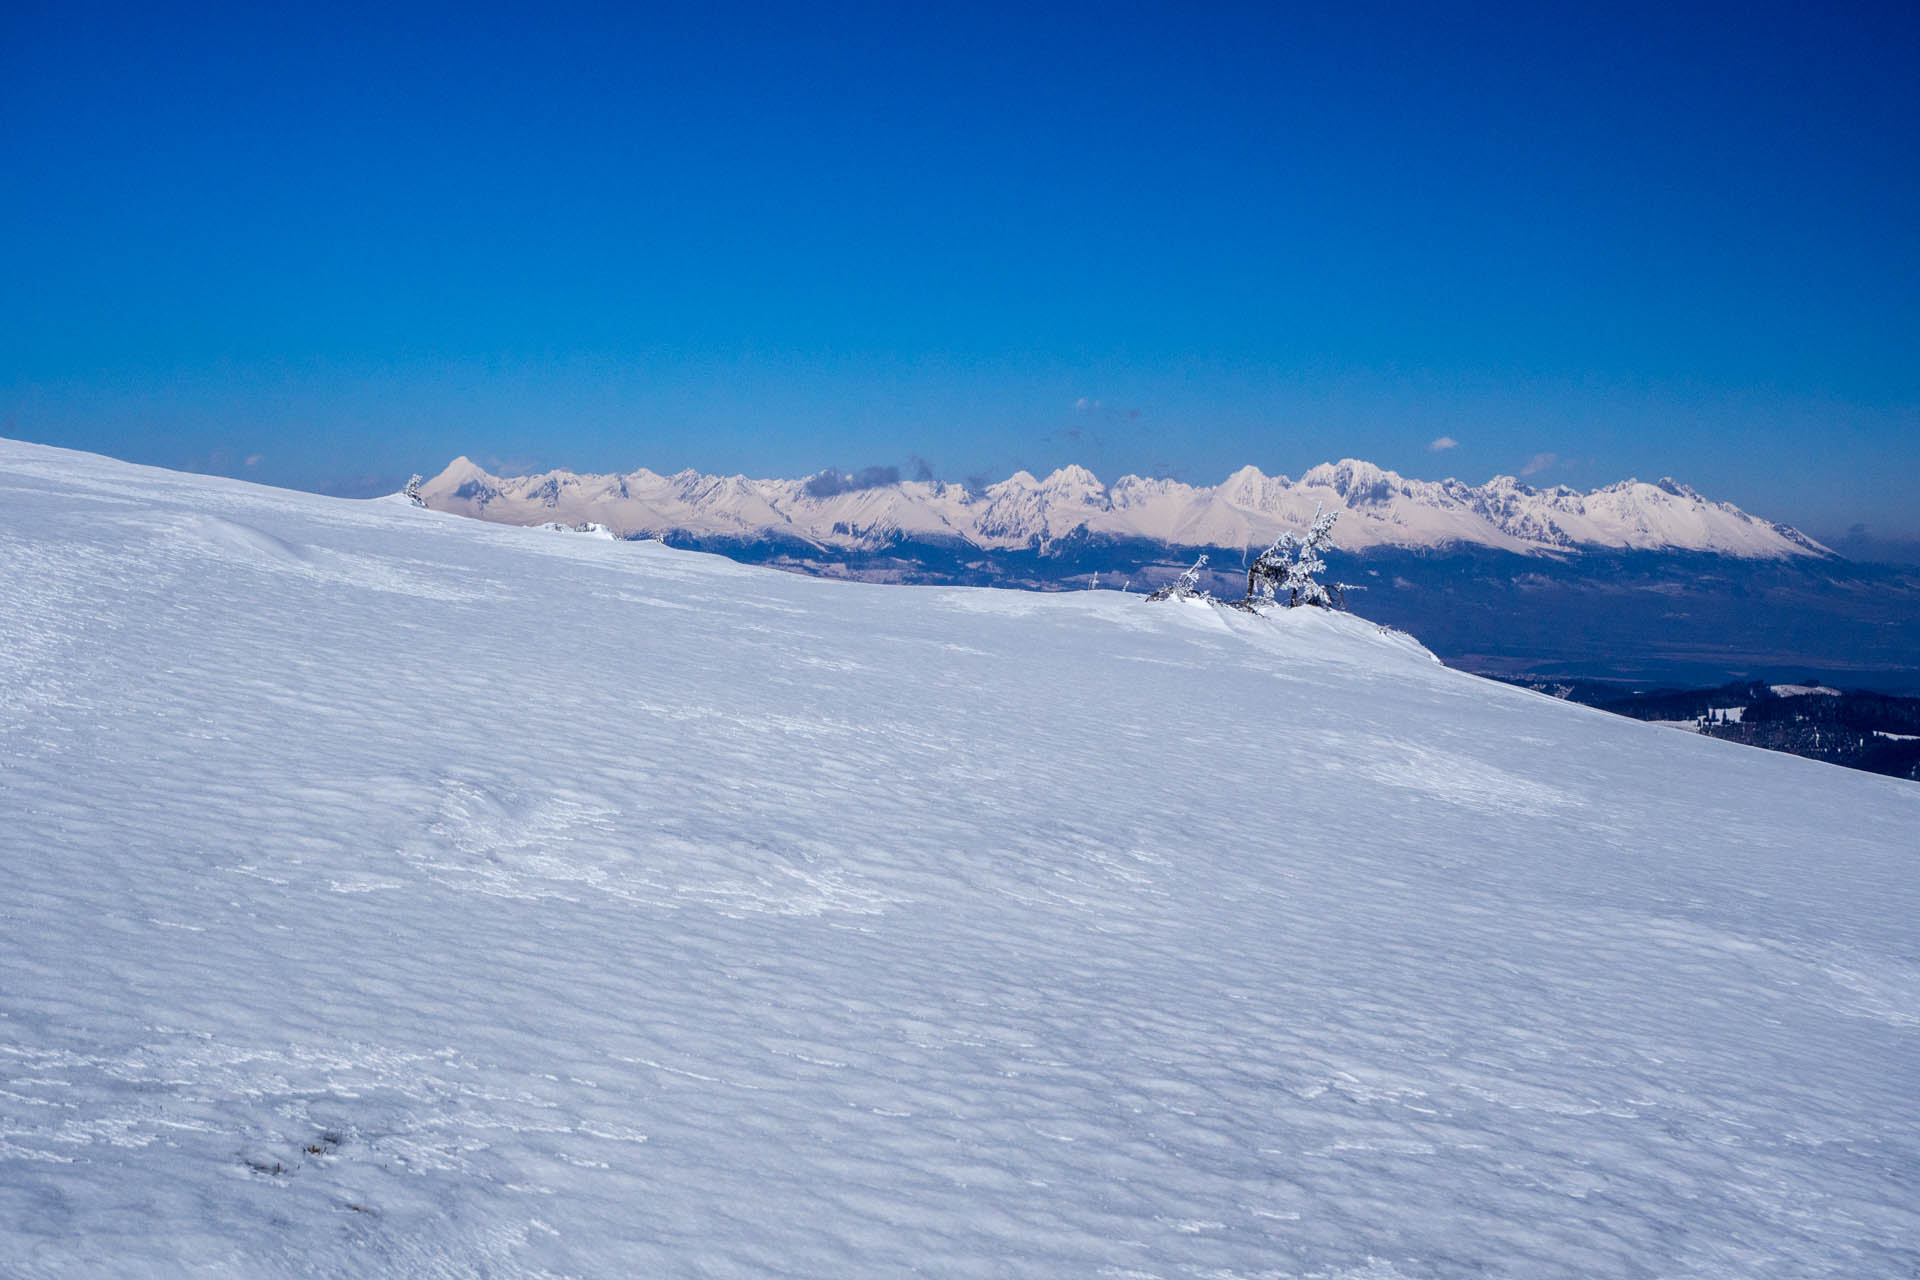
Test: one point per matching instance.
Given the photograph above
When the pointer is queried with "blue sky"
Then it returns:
(325, 247)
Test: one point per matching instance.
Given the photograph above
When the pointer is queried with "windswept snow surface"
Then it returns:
(387, 892)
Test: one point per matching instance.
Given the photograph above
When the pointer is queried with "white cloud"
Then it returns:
(255, 459)
(1443, 444)
(1084, 405)
(1540, 462)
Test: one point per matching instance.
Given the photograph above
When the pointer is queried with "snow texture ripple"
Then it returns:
(387, 892)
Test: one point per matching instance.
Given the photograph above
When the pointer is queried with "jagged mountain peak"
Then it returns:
(1248, 485)
(1359, 483)
(1072, 475)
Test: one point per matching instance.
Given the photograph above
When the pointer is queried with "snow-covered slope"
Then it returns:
(1380, 509)
(387, 893)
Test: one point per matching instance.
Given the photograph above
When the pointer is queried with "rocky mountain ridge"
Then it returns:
(1379, 508)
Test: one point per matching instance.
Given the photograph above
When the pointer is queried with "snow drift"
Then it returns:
(392, 893)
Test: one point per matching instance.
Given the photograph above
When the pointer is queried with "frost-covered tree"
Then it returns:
(1186, 586)
(1286, 570)
(413, 491)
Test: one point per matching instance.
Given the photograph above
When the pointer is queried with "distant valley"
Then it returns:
(1871, 732)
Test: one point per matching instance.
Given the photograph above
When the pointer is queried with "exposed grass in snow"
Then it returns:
(387, 893)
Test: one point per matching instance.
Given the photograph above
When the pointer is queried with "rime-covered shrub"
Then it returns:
(1186, 586)
(1285, 572)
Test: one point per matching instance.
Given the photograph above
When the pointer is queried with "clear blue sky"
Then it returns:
(328, 246)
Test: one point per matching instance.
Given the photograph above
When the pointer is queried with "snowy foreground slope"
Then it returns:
(384, 892)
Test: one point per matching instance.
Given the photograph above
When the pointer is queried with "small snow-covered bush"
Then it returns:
(1284, 573)
(1186, 586)
(1286, 570)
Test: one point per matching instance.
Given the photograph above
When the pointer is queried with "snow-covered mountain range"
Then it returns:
(395, 894)
(1379, 508)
